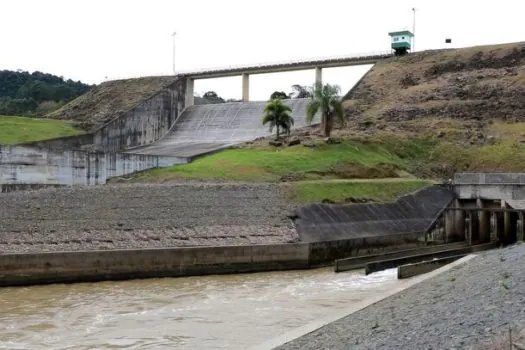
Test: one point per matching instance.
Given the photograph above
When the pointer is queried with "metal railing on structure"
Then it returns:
(261, 65)
(311, 60)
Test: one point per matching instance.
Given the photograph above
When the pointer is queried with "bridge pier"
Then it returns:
(245, 87)
(318, 75)
(459, 221)
(188, 97)
(484, 223)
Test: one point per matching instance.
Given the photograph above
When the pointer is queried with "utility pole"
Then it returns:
(414, 30)
(173, 35)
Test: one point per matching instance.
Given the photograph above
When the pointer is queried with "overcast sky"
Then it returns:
(95, 40)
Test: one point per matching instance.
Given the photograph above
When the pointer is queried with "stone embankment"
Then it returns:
(467, 307)
(143, 216)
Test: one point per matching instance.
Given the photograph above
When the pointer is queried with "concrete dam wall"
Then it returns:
(205, 128)
(155, 216)
(145, 123)
(155, 133)
(410, 214)
(122, 231)
(21, 165)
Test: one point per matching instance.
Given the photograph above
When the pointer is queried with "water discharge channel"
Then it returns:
(210, 312)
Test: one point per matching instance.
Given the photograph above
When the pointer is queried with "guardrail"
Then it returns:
(327, 59)
(262, 65)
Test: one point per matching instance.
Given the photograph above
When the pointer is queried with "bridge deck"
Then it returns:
(284, 66)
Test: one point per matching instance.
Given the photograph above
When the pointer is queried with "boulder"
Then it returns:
(294, 141)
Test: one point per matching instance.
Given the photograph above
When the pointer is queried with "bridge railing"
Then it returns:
(320, 60)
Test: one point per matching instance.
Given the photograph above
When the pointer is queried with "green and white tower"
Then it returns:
(401, 41)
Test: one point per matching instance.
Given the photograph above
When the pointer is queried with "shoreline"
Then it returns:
(18, 269)
(469, 306)
(326, 321)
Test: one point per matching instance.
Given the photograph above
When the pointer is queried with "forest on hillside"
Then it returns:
(37, 93)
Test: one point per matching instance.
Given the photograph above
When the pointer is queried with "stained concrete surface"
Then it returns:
(409, 214)
(205, 128)
(20, 165)
(145, 123)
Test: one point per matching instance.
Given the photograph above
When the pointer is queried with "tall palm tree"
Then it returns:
(277, 114)
(325, 98)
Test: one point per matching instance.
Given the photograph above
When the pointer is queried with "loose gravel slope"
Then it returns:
(463, 308)
(140, 216)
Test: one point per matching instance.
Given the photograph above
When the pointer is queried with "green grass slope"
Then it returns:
(343, 191)
(346, 160)
(15, 130)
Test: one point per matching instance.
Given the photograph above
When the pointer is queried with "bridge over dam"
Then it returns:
(138, 124)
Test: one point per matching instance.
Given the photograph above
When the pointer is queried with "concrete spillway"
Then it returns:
(205, 128)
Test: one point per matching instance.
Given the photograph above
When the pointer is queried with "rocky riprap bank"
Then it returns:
(467, 307)
(143, 216)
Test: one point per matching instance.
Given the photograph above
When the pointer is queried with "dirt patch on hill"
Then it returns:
(476, 83)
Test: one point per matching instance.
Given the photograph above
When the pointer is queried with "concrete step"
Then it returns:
(360, 262)
(411, 270)
(392, 263)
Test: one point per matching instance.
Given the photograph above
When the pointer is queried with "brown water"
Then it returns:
(213, 312)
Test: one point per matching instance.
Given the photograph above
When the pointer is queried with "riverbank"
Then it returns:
(466, 307)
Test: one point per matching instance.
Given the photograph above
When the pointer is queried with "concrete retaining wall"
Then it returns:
(410, 214)
(326, 252)
(62, 143)
(411, 270)
(81, 266)
(501, 186)
(31, 166)
(23, 269)
(489, 178)
(359, 262)
(144, 124)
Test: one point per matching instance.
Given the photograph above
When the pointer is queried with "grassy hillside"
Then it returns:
(344, 191)
(346, 160)
(19, 129)
(350, 171)
(426, 116)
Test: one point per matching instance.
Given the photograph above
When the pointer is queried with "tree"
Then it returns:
(300, 91)
(278, 95)
(277, 114)
(326, 99)
(22, 92)
(212, 97)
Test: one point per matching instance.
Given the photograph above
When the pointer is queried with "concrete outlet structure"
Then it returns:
(489, 207)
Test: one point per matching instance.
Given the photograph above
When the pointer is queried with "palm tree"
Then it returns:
(277, 114)
(325, 98)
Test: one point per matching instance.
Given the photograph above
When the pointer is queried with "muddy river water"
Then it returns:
(211, 312)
